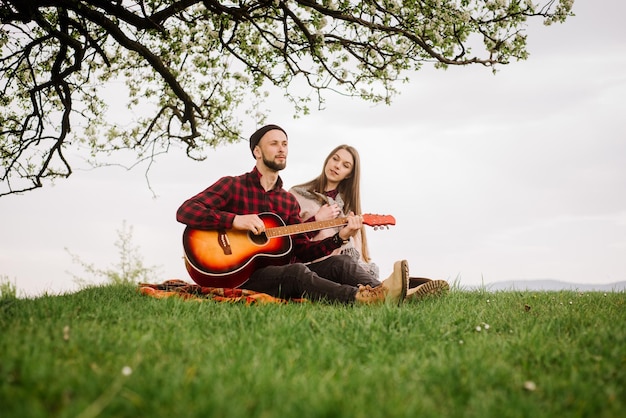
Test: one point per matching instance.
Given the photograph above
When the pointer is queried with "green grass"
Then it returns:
(64, 356)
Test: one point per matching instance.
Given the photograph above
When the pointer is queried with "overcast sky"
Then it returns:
(516, 176)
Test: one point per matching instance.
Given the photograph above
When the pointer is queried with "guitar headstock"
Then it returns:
(378, 220)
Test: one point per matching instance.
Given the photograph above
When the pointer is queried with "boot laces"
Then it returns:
(370, 294)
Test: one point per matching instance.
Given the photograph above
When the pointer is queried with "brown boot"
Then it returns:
(367, 295)
(397, 284)
(392, 290)
(430, 288)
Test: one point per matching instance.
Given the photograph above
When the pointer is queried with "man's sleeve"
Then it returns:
(206, 209)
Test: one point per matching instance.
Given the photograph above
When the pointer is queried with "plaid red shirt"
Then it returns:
(215, 208)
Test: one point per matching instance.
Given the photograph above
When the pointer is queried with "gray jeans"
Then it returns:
(333, 279)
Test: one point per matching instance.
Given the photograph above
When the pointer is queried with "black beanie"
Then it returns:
(256, 137)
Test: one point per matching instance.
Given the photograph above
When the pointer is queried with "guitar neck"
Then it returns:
(281, 231)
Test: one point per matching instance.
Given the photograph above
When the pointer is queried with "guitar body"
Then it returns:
(228, 258)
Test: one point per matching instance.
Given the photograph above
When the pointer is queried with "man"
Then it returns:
(235, 202)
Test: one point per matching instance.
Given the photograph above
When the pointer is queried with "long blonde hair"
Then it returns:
(349, 188)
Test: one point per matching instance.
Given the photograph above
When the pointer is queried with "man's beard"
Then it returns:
(273, 164)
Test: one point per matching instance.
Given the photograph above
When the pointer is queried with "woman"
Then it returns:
(336, 192)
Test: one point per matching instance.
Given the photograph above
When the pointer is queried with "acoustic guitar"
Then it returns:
(227, 258)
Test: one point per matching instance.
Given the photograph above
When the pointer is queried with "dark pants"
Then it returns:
(334, 279)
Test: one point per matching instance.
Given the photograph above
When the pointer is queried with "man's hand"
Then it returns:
(355, 223)
(250, 223)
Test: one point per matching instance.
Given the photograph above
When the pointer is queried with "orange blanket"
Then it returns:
(185, 290)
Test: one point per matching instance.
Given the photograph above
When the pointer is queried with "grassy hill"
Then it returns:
(110, 352)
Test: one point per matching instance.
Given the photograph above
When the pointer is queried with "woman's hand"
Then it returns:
(327, 212)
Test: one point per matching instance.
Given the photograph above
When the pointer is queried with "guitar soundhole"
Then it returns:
(258, 239)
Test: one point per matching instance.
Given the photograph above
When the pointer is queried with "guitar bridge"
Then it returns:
(224, 242)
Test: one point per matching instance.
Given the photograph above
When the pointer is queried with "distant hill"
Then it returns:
(550, 285)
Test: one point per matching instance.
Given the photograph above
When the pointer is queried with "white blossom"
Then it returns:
(530, 386)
